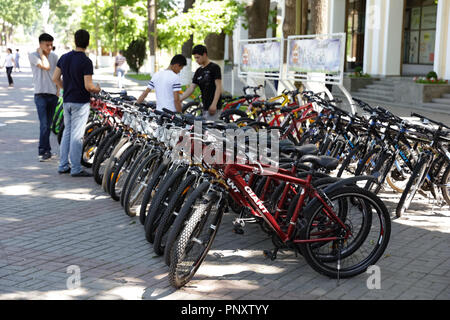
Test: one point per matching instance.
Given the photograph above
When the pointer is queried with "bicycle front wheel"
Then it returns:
(412, 186)
(195, 240)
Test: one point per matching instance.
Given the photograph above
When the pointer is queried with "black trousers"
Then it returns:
(8, 73)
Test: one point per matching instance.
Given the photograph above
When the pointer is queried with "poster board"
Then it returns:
(261, 58)
(313, 55)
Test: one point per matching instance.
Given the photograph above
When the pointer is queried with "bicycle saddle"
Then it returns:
(325, 162)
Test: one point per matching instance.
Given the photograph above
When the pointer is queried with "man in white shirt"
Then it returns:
(167, 85)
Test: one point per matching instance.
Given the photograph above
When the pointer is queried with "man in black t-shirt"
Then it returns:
(209, 78)
(76, 70)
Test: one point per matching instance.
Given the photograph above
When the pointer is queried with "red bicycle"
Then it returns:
(340, 230)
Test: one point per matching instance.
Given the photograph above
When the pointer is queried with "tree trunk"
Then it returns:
(1, 35)
(216, 49)
(230, 48)
(115, 26)
(187, 46)
(318, 16)
(289, 21)
(304, 20)
(152, 36)
(258, 18)
(289, 18)
(186, 50)
(9, 35)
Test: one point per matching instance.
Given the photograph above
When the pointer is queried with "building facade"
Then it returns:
(394, 37)
(384, 37)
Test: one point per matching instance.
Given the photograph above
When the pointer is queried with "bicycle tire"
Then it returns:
(198, 233)
(120, 148)
(142, 156)
(226, 114)
(171, 212)
(101, 146)
(137, 183)
(125, 161)
(355, 153)
(332, 264)
(160, 202)
(445, 185)
(190, 106)
(408, 194)
(183, 216)
(153, 181)
(91, 144)
(104, 154)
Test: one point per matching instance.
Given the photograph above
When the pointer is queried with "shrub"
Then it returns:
(358, 73)
(432, 75)
(136, 53)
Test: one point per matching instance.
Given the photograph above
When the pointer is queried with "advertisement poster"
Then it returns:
(427, 43)
(429, 16)
(413, 47)
(315, 55)
(415, 19)
(260, 57)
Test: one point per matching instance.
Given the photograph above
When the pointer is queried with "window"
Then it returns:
(420, 31)
(356, 13)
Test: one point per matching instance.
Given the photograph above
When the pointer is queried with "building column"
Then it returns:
(442, 49)
(336, 16)
(383, 37)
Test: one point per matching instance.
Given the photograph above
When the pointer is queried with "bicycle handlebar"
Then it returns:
(413, 114)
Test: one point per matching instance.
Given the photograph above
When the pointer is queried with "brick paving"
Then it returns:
(49, 222)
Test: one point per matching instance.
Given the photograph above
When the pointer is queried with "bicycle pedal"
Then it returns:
(272, 255)
(238, 230)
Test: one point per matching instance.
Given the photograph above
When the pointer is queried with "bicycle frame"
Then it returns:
(244, 195)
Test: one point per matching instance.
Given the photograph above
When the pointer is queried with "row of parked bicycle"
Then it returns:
(320, 200)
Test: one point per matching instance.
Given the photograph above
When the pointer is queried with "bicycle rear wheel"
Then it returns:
(369, 223)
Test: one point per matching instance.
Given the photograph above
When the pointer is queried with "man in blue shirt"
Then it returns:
(76, 70)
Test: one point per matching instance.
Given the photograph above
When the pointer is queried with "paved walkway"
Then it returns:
(51, 225)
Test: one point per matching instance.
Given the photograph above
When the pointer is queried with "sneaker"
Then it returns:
(64, 171)
(82, 174)
(44, 157)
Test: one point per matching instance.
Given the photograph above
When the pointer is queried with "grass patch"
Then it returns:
(139, 76)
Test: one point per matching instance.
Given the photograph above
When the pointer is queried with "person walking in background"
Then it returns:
(120, 68)
(43, 63)
(9, 64)
(167, 84)
(209, 78)
(76, 70)
(16, 60)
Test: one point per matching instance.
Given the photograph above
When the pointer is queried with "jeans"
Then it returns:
(45, 104)
(75, 119)
(8, 74)
(120, 76)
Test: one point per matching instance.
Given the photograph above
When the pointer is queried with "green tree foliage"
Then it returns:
(136, 54)
(131, 21)
(206, 16)
(21, 12)
(15, 13)
(65, 17)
